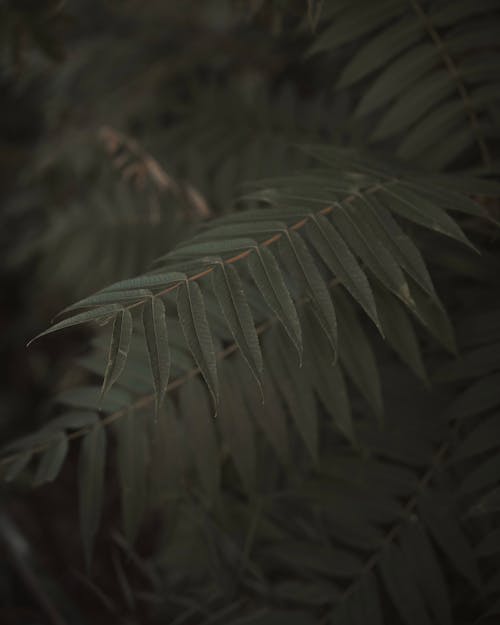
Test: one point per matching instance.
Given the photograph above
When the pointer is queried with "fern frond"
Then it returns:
(184, 323)
(429, 66)
(378, 243)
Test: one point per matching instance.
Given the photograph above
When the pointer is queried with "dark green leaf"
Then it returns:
(302, 265)
(233, 302)
(343, 264)
(399, 331)
(155, 331)
(118, 350)
(269, 279)
(356, 354)
(193, 319)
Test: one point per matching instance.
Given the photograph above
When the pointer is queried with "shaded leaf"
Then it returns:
(269, 279)
(118, 350)
(155, 331)
(356, 354)
(343, 264)
(193, 319)
(233, 302)
(303, 266)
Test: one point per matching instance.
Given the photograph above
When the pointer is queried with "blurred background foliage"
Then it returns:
(124, 126)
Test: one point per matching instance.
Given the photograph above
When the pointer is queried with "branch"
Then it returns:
(455, 74)
(276, 237)
(436, 461)
(148, 400)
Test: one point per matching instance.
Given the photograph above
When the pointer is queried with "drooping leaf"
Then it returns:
(431, 313)
(302, 265)
(193, 319)
(234, 305)
(356, 354)
(343, 264)
(328, 380)
(269, 279)
(351, 222)
(155, 331)
(267, 410)
(404, 251)
(399, 331)
(418, 209)
(118, 350)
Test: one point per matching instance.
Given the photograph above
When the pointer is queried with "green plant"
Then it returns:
(281, 391)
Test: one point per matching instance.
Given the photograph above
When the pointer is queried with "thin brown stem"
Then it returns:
(266, 243)
(148, 400)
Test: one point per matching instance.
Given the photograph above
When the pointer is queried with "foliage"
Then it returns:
(297, 403)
